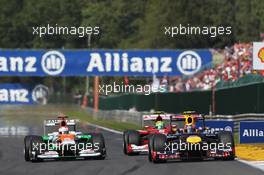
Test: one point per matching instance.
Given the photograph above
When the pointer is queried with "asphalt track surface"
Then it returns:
(12, 159)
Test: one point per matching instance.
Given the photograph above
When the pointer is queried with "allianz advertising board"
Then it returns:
(16, 93)
(218, 125)
(102, 62)
(251, 132)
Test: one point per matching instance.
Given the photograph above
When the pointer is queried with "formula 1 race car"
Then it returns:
(136, 141)
(64, 142)
(191, 142)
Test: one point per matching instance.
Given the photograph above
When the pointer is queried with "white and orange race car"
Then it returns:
(63, 142)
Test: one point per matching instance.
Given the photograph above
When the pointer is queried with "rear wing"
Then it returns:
(154, 116)
(56, 122)
(184, 117)
(171, 117)
(181, 117)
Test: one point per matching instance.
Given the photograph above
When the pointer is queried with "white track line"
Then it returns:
(104, 128)
(256, 164)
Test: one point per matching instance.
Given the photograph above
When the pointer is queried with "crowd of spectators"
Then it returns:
(236, 62)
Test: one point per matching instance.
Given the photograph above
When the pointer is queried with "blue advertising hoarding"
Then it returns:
(218, 125)
(102, 62)
(15, 93)
(251, 132)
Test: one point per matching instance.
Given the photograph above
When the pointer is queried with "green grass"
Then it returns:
(120, 126)
(37, 113)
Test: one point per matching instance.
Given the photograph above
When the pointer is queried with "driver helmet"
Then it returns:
(189, 124)
(63, 130)
(159, 124)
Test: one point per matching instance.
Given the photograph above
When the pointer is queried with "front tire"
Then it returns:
(150, 148)
(158, 145)
(125, 142)
(36, 145)
(130, 137)
(226, 137)
(99, 145)
(27, 148)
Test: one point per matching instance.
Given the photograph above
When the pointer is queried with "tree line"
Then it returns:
(127, 24)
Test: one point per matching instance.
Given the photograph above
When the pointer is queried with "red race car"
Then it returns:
(136, 141)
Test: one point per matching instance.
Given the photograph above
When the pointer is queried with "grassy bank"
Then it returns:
(37, 113)
(120, 126)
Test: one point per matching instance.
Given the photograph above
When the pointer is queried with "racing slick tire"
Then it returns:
(125, 142)
(27, 147)
(150, 148)
(157, 145)
(226, 137)
(133, 137)
(99, 144)
(36, 144)
(130, 137)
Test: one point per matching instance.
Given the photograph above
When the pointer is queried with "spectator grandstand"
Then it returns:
(236, 63)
